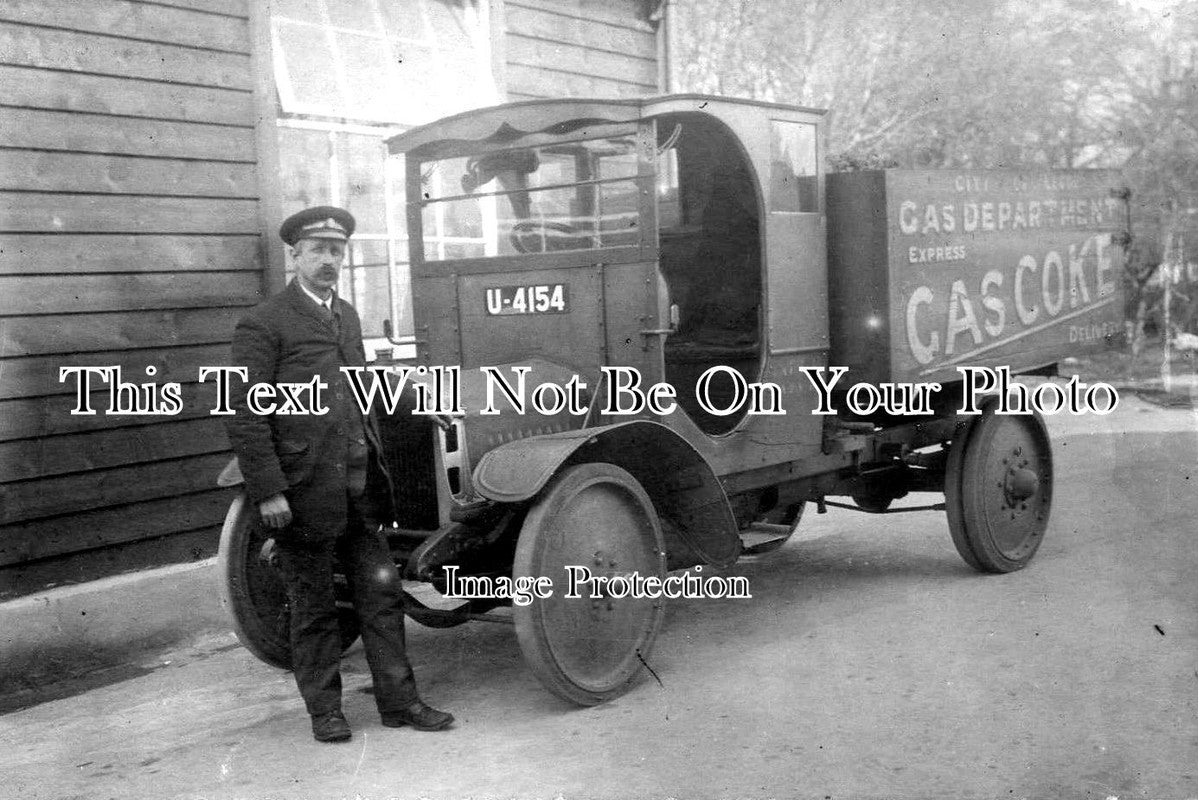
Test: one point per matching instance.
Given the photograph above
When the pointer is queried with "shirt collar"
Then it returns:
(315, 299)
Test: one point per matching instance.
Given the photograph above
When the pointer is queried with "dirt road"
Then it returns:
(871, 662)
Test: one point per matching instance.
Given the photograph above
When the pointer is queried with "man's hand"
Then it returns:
(276, 512)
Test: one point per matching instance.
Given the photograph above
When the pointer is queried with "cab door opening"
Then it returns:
(710, 257)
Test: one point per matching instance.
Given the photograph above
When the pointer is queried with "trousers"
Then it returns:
(307, 566)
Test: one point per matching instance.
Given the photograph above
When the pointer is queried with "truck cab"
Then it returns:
(669, 235)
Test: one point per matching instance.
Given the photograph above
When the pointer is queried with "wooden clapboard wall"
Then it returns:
(129, 235)
(579, 48)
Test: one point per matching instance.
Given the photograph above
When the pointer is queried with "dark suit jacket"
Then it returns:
(287, 339)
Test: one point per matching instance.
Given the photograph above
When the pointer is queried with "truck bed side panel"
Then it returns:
(936, 269)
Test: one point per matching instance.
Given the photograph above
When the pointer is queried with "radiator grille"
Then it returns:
(408, 443)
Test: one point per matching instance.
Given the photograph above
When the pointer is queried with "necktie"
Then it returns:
(333, 319)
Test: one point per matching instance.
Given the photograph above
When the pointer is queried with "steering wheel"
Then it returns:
(529, 236)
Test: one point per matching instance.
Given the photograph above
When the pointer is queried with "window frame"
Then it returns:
(643, 131)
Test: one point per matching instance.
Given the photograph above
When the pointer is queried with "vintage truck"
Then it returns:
(553, 241)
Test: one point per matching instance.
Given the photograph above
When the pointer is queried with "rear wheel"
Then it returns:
(998, 490)
(252, 589)
(590, 649)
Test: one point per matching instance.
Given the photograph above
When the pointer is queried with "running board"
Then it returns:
(761, 537)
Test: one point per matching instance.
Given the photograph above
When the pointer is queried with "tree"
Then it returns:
(978, 83)
(975, 84)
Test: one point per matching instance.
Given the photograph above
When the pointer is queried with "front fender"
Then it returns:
(685, 490)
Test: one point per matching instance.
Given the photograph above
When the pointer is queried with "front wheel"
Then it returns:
(591, 648)
(252, 589)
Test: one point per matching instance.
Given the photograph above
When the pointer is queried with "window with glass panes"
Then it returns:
(349, 74)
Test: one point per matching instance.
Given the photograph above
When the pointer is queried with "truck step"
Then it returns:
(761, 537)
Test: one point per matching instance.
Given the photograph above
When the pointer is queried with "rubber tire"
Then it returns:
(252, 592)
(954, 506)
(584, 651)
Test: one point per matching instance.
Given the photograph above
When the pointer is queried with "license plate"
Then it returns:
(551, 298)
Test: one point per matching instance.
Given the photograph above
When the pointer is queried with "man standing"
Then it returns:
(319, 483)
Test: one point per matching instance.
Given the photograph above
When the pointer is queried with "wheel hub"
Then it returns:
(1021, 483)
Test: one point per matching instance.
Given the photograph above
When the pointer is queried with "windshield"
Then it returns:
(578, 195)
